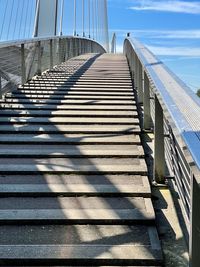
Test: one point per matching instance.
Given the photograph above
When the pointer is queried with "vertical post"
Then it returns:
(147, 122)
(159, 154)
(60, 50)
(23, 65)
(194, 223)
(71, 47)
(39, 68)
(140, 82)
(67, 49)
(0, 87)
(51, 54)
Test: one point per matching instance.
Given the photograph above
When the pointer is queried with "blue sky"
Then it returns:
(170, 28)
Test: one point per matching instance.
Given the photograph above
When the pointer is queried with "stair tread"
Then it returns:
(42, 113)
(90, 209)
(71, 120)
(135, 185)
(59, 128)
(70, 138)
(71, 101)
(68, 107)
(69, 97)
(80, 165)
(128, 243)
(71, 150)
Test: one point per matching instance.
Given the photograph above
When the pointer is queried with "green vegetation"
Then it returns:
(198, 92)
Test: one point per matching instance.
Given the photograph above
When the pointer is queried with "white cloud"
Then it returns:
(176, 6)
(175, 51)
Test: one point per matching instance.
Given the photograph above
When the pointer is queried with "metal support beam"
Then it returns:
(147, 122)
(159, 154)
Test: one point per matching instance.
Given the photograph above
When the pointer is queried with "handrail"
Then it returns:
(22, 59)
(174, 112)
(37, 39)
(177, 99)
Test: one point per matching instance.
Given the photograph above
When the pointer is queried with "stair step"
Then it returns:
(68, 120)
(74, 185)
(79, 210)
(69, 139)
(68, 107)
(68, 113)
(62, 97)
(93, 245)
(71, 93)
(88, 86)
(73, 166)
(28, 87)
(71, 151)
(73, 129)
(70, 101)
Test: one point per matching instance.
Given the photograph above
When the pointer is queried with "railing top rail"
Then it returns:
(37, 39)
(177, 99)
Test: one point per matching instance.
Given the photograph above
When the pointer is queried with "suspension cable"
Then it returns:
(16, 18)
(89, 19)
(25, 23)
(10, 19)
(93, 14)
(83, 16)
(74, 17)
(20, 24)
(61, 16)
(4, 16)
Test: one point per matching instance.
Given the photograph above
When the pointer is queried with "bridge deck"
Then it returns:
(74, 183)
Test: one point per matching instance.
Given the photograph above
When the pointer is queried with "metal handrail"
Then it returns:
(22, 59)
(163, 80)
(173, 110)
(37, 39)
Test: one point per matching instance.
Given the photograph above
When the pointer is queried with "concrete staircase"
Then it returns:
(74, 187)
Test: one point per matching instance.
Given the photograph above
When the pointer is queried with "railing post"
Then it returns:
(0, 87)
(159, 154)
(51, 54)
(147, 121)
(39, 67)
(131, 64)
(60, 51)
(71, 41)
(23, 65)
(195, 223)
(140, 82)
(76, 47)
(67, 49)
